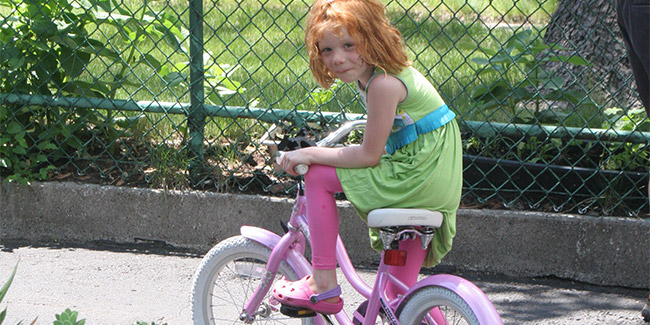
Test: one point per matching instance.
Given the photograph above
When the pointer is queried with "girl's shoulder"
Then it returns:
(406, 71)
(381, 78)
(406, 76)
(387, 85)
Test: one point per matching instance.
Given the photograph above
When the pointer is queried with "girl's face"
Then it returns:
(339, 53)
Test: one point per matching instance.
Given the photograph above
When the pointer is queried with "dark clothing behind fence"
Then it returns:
(633, 18)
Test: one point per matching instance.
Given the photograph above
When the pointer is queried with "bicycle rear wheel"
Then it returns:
(439, 304)
(226, 279)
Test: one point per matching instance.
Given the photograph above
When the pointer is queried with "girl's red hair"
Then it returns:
(378, 42)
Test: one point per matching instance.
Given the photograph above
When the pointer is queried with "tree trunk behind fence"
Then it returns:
(590, 27)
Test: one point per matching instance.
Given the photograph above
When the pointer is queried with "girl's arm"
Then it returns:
(384, 93)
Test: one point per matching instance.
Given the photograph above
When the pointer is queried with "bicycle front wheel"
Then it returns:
(436, 305)
(228, 277)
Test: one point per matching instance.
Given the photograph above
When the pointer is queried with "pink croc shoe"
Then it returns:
(298, 294)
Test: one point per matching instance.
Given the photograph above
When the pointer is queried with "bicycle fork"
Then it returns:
(278, 254)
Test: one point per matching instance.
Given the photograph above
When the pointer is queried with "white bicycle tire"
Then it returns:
(450, 303)
(220, 289)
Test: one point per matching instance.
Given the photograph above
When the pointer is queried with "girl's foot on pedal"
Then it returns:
(299, 294)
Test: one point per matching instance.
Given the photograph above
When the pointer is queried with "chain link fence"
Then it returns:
(179, 94)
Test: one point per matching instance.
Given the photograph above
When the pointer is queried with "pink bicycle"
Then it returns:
(232, 284)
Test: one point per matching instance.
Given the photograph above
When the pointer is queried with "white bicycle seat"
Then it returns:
(390, 217)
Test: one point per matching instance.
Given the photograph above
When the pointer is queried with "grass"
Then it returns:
(264, 39)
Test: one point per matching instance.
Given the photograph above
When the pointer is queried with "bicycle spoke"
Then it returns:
(235, 283)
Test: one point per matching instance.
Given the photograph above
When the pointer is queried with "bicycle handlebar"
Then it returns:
(338, 134)
(329, 141)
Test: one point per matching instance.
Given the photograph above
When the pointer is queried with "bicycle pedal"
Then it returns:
(297, 312)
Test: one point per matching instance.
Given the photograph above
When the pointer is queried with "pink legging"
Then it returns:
(321, 183)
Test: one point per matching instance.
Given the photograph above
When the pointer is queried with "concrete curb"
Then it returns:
(604, 251)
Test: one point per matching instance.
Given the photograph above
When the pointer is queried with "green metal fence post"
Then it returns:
(196, 115)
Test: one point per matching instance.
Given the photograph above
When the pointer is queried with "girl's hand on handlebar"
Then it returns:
(293, 162)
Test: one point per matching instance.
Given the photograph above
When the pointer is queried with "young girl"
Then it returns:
(410, 156)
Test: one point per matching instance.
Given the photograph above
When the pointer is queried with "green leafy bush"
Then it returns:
(522, 82)
(18, 154)
(627, 156)
(90, 49)
(46, 49)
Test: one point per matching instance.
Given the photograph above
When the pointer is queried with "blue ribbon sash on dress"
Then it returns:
(406, 131)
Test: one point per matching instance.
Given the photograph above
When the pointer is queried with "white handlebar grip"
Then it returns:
(301, 169)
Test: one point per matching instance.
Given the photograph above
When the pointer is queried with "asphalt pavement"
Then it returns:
(113, 284)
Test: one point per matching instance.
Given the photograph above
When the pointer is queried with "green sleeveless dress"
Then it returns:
(421, 169)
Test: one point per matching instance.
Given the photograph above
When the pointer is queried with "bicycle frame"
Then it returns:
(291, 246)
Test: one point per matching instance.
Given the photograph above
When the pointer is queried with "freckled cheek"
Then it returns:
(329, 66)
(325, 61)
(359, 60)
